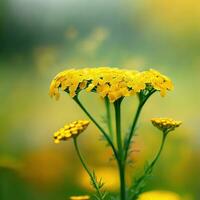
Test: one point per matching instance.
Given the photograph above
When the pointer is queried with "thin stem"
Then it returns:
(117, 105)
(108, 116)
(98, 126)
(94, 181)
(142, 101)
(81, 157)
(159, 152)
(138, 185)
(132, 130)
(121, 164)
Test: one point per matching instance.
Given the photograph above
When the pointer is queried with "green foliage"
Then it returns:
(139, 183)
(98, 186)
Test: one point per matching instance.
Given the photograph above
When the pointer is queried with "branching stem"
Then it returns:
(132, 130)
(93, 179)
(142, 101)
(98, 126)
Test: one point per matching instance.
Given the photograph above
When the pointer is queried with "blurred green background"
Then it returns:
(39, 38)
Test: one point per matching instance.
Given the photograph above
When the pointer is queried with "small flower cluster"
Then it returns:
(165, 124)
(85, 197)
(70, 130)
(106, 81)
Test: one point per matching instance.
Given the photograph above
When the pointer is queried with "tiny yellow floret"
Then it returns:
(85, 197)
(106, 81)
(159, 195)
(165, 124)
(70, 130)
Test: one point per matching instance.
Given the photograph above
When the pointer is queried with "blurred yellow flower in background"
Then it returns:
(44, 168)
(94, 40)
(159, 195)
(85, 197)
(108, 174)
(177, 17)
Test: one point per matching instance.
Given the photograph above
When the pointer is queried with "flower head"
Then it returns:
(159, 195)
(70, 130)
(112, 82)
(85, 197)
(165, 124)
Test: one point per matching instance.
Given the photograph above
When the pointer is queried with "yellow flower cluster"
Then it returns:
(70, 130)
(85, 197)
(159, 195)
(165, 124)
(106, 81)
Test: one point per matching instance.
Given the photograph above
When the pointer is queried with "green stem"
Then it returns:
(98, 126)
(121, 164)
(122, 181)
(108, 116)
(160, 150)
(132, 130)
(117, 105)
(142, 101)
(138, 186)
(94, 181)
(81, 157)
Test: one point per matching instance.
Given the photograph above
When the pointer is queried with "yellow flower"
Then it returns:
(112, 82)
(85, 197)
(159, 195)
(70, 130)
(165, 124)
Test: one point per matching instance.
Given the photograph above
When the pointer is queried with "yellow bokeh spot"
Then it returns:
(159, 195)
